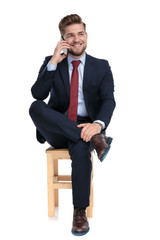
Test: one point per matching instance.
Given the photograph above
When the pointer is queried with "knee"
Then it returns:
(35, 106)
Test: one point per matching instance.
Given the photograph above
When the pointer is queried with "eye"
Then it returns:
(82, 34)
(70, 35)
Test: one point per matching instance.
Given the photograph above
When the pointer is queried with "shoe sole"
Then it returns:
(105, 153)
(109, 140)
(80, 233)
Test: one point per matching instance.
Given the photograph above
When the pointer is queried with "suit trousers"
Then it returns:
(61, 132)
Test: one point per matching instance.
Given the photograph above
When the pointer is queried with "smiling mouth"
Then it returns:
(76, 45)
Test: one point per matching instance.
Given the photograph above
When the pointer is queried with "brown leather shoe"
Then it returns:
(99, 142)
(80, 222)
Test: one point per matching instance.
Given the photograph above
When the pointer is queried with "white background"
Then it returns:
(127, 183)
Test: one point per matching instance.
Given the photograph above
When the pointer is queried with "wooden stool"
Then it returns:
(56, 182)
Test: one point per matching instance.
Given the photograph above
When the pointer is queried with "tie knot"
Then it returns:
(76, 63)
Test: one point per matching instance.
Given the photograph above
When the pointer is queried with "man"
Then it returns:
(79, 109)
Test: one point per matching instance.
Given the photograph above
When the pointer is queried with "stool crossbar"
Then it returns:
(56, 182)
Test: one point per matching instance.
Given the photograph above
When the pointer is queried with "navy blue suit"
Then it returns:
(51, 119)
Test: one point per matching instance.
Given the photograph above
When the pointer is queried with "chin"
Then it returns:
(78, 53)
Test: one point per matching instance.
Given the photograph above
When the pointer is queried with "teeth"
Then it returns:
(77, 45)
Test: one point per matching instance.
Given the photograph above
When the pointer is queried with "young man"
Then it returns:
(79, 109)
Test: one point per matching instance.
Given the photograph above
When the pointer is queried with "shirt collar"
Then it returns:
(82, 59)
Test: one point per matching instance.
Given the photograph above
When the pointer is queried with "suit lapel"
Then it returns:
(63, 67)
(89, 72)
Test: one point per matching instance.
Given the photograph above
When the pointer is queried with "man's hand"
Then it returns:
(57, 57)
(88, 130)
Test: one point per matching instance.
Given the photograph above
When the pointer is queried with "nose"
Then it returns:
(76, 38)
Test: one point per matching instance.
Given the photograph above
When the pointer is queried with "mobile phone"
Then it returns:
(65, 50)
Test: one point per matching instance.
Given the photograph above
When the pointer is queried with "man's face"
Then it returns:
(76, 37)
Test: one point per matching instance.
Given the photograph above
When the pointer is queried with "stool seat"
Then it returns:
(56, 182)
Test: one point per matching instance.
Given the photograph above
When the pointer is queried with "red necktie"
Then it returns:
(72, 111)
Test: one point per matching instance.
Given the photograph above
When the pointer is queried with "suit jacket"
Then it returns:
(98, 88)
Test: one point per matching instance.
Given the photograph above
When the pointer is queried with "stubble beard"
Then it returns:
(77, 53)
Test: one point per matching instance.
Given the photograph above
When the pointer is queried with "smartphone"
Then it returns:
(65, 50)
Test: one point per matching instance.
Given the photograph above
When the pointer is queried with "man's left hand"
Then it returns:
(89, 129)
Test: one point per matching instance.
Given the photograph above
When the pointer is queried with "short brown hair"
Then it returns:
(68, 20)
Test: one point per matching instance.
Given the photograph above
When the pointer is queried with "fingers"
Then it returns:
(88, 130)
(64, 56)
(81, 125)
(84, 131)
(87, 133)
(61, 45)
(57, 56)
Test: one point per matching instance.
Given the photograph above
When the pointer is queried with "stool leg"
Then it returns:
(50, 175)
(90, 208)
(56, 193)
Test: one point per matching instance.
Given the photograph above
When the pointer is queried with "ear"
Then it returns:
(86, 35)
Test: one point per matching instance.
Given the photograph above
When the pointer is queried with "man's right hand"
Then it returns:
(57, 56)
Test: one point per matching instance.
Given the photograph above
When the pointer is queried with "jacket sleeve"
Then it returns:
(106, 97)
(41, 88)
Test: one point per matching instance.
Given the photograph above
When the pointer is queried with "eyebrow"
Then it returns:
(73, 33)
